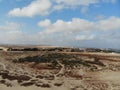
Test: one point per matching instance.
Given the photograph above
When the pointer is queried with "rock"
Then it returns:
(39, 76)
(34, 80)
(50, 77)
(13, 76)
(23, 77)
(38, 84)
(2, 81)
(45, 85)
(19, 81)
(27, 83)
(58, 84)
(4, 74)
(47, 77)
(9, 85)
(10, 77)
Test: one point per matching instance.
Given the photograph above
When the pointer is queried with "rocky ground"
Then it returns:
(35, 70)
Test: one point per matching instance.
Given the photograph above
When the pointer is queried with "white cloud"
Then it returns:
(110, 1)
(10, 33)
(13, 37)
(37, 7)
(77, 25)
(62, 32)
(45, 23)
(84, 37)
(77, 2)
(45, 7)
(84, 9)
(77, 32)
(10, 26)
(112, 23)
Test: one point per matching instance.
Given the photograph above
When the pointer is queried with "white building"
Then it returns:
(4, 48)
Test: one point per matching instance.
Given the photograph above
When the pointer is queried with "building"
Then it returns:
(3, 49)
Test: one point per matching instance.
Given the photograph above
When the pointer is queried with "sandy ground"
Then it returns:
(101, 78)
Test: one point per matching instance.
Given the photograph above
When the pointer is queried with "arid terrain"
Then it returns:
(54, 68)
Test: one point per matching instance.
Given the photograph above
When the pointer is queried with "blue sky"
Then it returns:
(75, 23)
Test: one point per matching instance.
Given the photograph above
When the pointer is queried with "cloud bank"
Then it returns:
(45, 7)
(80, 32)
(77, 25)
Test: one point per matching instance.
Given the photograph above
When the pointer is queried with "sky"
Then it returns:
(74, 23)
